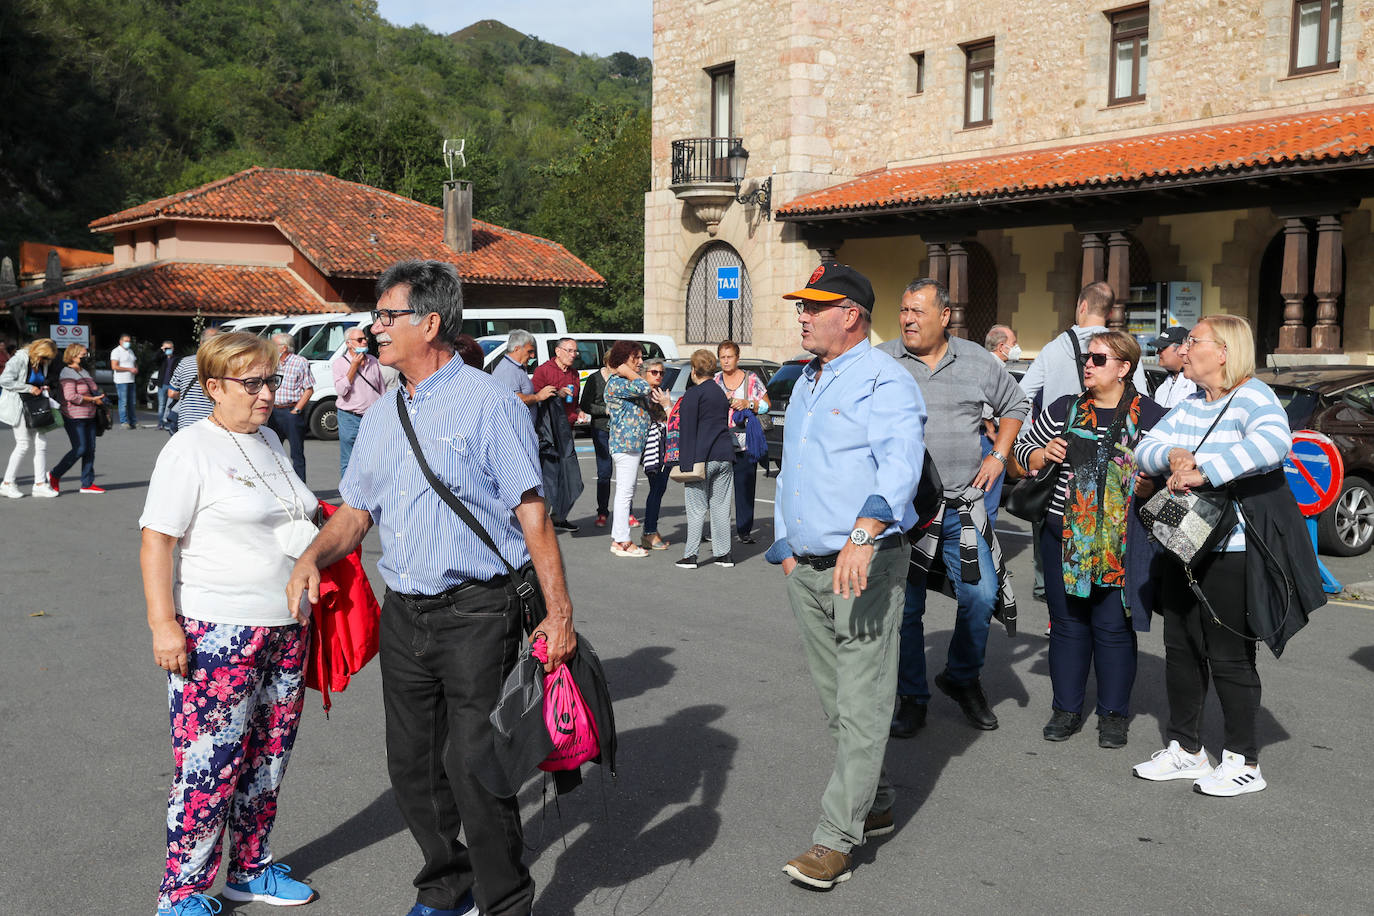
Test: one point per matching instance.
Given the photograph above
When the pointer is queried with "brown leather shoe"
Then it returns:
(820, 866)
(878, 823)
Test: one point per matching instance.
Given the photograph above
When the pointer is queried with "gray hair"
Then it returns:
(285, 340)
(998, 334)
(431, 287)
(519, 338)
(207, 333)
(920, 283)
(649, 364)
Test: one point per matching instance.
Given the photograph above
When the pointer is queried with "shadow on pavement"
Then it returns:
(678, 766)
(1364, 657)
(639, 672)
(376, 822)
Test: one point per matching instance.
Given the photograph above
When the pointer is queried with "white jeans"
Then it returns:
(626, 479)
(24, 438)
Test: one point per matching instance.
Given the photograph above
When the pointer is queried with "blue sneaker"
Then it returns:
(194, 905)
(274, 886)
(466, 907)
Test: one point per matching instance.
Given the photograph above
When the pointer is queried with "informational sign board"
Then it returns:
(1315, 472)
(64, 334)
(66, 311)
(727, 282)
(1185, 304)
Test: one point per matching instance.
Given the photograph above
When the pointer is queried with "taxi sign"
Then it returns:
(727, 282)
(1315, 471)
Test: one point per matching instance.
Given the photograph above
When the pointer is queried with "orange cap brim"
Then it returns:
(815, 295)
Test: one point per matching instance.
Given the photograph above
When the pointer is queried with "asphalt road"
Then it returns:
(723, 753)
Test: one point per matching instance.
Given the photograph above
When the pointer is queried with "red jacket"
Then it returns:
(345, 627)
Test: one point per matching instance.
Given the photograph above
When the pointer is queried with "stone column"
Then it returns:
(958, 289)
(1118, 277)
(1326, 284)
(1293, 286)
(1094, 258)
(826, 249)
(938, 256)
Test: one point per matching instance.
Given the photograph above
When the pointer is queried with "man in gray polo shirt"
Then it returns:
(957, 378)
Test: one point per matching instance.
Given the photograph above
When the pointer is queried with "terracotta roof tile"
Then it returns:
(348, 229)
(33, 257)
(1332, 135)
(175, 287)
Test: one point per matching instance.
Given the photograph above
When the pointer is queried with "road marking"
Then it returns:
(1367, 607)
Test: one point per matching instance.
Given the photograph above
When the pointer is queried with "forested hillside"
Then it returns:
(107, 103)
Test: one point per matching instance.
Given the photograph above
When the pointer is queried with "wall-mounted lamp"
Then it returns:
(761, 196)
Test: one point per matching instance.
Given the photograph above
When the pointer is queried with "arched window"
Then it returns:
(710, 318)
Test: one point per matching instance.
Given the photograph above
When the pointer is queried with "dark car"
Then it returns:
(779, 393)
(677, 374)
(1337, 401)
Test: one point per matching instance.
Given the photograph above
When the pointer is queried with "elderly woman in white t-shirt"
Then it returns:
(224, 494)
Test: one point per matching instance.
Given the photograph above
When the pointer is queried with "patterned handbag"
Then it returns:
(1190, 525)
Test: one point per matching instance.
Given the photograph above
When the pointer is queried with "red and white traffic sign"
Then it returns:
(64, 334)
(1315, 471)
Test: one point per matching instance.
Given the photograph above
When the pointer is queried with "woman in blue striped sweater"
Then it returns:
(1232, 428)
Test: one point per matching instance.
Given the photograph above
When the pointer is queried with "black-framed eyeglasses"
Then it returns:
(1100, 359)
(253, 384)
(387, 317)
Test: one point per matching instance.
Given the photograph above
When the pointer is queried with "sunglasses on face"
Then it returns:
(253, 384)
(1100, 359)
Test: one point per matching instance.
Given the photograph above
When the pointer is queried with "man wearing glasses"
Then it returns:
(855, 416)
(358, 384)
(451, 618)
(562, 476)
(297, 385)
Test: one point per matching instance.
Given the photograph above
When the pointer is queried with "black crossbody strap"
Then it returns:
(1077, 356)
(445, 493)
(1221, 414)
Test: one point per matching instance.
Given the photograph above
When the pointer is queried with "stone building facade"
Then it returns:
(1221, 146)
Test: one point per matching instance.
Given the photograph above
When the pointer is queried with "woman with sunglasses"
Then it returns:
(1088, 441)
(224, 496)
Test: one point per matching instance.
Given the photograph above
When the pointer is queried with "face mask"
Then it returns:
(167, 350)
(360, 349)
(1014, 352)
(85, 362)
(126, 345)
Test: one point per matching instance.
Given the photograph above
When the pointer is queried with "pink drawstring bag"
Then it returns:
(566, 716)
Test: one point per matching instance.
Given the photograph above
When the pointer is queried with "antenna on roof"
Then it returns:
(453, 149)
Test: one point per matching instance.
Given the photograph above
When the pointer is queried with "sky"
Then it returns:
(600, 27)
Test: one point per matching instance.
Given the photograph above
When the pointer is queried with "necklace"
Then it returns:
(275, 457)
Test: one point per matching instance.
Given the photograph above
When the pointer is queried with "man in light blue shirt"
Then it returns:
(853, 446)
(510, 371)
(451, 620)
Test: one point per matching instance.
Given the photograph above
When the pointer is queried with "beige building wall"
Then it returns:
(825, 91)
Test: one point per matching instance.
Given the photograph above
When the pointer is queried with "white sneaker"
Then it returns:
(44, 491)
(1231, 777)
(1173, 763)
(10, 490)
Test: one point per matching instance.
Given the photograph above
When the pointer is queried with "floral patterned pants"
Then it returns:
(234, 722)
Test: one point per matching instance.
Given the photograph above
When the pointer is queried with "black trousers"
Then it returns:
(1197, 649)
(443, 662)
(290, 429)
(746, 476)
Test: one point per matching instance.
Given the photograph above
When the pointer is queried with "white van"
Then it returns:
(327, 342)
(591, 348)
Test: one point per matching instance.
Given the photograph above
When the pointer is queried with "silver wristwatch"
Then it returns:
(860, 538)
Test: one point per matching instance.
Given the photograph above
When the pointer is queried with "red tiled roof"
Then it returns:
(175, 287)
(33, 257)
(1326, 136)
(348, 229)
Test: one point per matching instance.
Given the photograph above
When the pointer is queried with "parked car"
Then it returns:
(1337, 401)
(591, 348)
(677, 375)
(779, 393)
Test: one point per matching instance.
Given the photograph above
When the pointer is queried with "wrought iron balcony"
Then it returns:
(703, 160)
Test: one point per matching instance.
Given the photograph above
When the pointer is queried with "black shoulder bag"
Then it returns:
(525, 580)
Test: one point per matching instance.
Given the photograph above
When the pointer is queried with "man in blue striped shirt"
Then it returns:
(451, 616)
(189, 402)
(852, 453)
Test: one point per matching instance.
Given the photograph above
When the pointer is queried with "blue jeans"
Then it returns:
(290, 428)
(746, 476)
(127, 399)
(601, 444)
(992, 501)
(348, 434)
(82, 436)
(658, 485)
(1086, 632)
(969, 643)
(162, 401)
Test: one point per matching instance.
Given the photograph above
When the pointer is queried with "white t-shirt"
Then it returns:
(232, 569)
(122, 357)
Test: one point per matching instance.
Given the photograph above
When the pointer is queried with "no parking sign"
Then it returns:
(64, 334)
(1315, 471)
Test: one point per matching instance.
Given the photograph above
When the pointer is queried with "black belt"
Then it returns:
(828, 560)
(444, 598)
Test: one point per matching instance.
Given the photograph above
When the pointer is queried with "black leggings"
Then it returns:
(1196, 648)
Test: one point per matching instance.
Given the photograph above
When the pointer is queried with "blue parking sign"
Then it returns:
(727, 282)
(66, 311)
